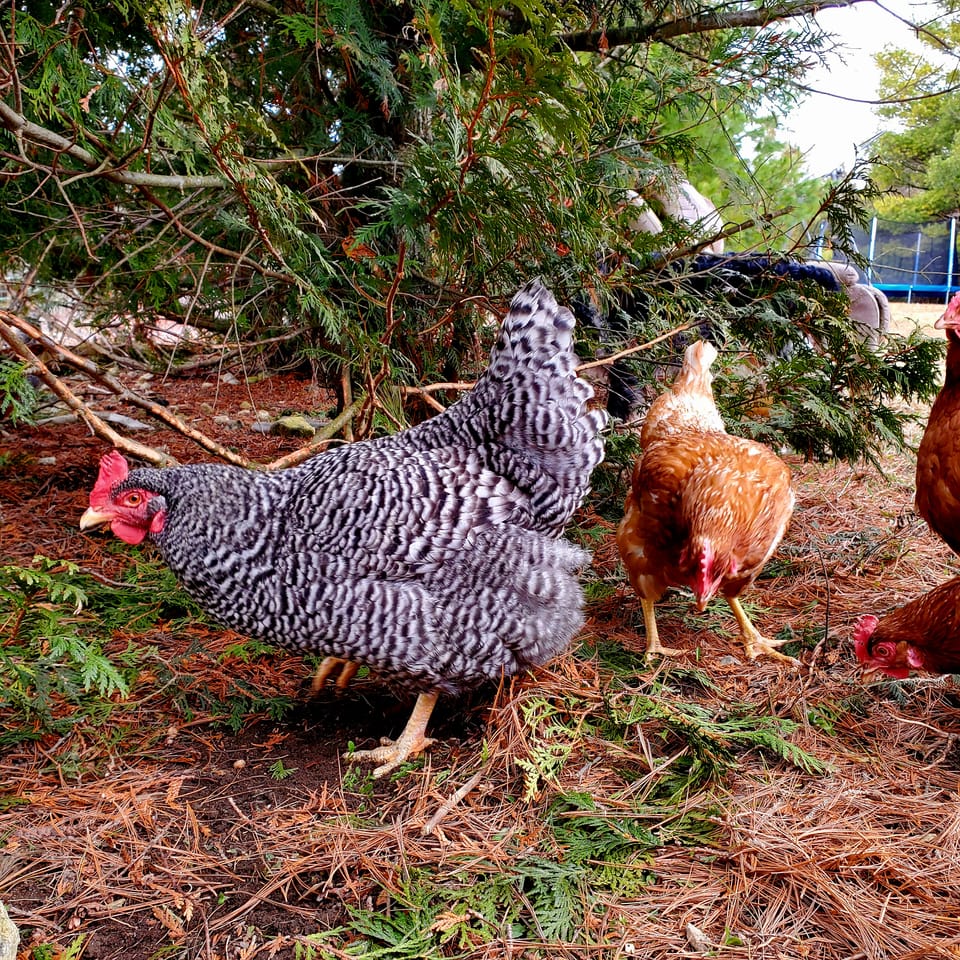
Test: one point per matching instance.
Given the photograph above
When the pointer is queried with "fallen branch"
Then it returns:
(96, 425)
(321, 436)
(91, 369)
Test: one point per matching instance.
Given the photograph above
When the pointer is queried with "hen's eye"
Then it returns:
(884, 650)
(133, 499)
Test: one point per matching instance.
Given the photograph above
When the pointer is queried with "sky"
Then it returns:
(828, 128)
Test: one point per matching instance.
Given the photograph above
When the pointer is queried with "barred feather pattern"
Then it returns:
(434, 555)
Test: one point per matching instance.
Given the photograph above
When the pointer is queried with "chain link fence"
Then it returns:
(912, 261)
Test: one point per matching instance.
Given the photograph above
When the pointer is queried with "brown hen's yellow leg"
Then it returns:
(347, 671)
(755, 644)
(391, 753)
(654, 648)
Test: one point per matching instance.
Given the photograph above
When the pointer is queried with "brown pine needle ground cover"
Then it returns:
(599, 809)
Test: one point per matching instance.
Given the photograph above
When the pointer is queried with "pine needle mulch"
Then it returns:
(192, 849)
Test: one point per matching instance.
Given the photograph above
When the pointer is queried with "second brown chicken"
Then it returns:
(706, 510)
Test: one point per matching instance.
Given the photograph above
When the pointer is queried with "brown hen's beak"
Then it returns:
(869, 674)
(94, 518)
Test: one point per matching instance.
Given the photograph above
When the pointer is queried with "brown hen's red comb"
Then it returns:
(951, 316)
(113, 469)
(861, 634)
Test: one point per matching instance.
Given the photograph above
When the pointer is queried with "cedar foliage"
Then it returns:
(364, 180)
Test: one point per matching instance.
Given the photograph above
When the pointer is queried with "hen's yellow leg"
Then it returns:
(755, 644)
(347, 670)
(654, 648)
(391, 753)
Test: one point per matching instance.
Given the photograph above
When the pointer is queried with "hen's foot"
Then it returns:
(656, 649)
(391, 753)
(348, 670)
(754, 643)
(760, 646)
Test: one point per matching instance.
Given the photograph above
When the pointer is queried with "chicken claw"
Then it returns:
(762, 647)
(755, 644)
(410, 743)
(347, 671)
(654, 647)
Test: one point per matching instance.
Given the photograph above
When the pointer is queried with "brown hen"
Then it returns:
(706, 510)
(938, 459)
(923, 634)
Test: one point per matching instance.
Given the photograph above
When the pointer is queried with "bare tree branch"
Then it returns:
(24, 129)
(629, 351)
(90, 369)
(601, 40)
(10, 322)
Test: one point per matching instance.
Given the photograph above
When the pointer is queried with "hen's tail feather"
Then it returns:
(538, 403)
(527, 415)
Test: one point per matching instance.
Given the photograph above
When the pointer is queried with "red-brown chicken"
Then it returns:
(706, 510)
(938, 459)
(923, 634)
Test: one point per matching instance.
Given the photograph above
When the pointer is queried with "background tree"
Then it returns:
(919, 157)
(361, 180)
(746, 168)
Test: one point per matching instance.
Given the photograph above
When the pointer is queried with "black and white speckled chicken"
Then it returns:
(434, 556)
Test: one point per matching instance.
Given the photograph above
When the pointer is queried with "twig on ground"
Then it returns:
(449, 804)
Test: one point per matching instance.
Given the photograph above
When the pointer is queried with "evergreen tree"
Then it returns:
(362, 179)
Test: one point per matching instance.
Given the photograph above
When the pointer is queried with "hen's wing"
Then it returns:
(938, 468)
(652, 533)
(508, 601)
(738, 493)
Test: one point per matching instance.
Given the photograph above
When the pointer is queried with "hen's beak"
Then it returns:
(869, 674)
(94, 518)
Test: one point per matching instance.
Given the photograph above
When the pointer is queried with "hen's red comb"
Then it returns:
(862, 633)
(113, 469)
(951, 316)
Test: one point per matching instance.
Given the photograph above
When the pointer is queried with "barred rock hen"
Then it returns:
(433, 556)
(923, 634)
(938, 458)
(705, 510)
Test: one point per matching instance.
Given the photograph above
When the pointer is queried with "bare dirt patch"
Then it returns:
(905, 316)
(170, 835)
